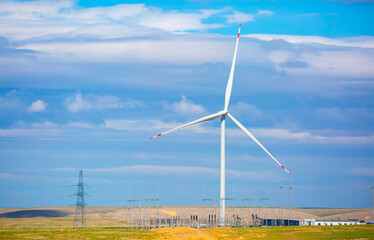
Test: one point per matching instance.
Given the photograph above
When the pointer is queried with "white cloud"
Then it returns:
(107, 102)
(186, 107)
(38, 106)
(51, 130)
(153, 126)
(282, 134)
(314, 138)
(147, 156)
(344, 64)
(170, 50)
(45, 124)
(280, 56)
(353, 84)
(77, 103)
(80, 124)
(265, 12)
(159, 169)
(112, 102)
(61, 19)
(138, 125)
(239, 17)
(332, 113)
(8, 176)
(10, 101)
(31, 132)
(88, 102)
(302, 136)
(367, 42)
(133, 33)
(42, 124)
(33, 9)
(119, 12)
(37, 178)
(369, 172)
(320, 57)
(178, 21)
(174, 170)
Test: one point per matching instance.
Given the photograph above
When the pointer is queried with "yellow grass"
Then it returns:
(278, 233)
(168, 212)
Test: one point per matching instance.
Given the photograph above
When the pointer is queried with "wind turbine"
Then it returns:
(223, 113)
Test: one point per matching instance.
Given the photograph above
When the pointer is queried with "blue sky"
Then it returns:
(83, 85)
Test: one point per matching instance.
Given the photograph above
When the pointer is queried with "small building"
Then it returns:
(278, 222)
(313, 222)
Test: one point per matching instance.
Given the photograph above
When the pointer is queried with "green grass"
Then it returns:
(70, 233)
(298, 232)
(314, 232)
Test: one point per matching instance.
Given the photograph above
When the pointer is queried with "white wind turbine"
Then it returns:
(223, 115)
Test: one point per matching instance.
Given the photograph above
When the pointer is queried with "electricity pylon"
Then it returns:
(372, 200)
(80, 220)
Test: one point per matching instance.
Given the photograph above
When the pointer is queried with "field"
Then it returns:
(117, 216)
(109, 222)
(302, 232)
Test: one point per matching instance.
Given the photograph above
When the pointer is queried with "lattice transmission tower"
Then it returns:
(80, 220)
(372, 200)
(281, 204)
(291, 201)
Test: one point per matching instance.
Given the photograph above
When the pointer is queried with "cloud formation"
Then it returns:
(367, 172)
(306, 98)
(63, 20)
(38, 106)
(10, 101)
(62, 33)
(264, 175)
(77, 103)
(149, 127)
(362, 42)
(89, 102)
(239, 17)
(186, 107)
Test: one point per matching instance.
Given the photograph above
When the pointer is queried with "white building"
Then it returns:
(313, 222)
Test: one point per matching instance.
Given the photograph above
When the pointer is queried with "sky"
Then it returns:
(85, 84)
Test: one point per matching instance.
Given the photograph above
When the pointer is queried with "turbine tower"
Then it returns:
(223, 114)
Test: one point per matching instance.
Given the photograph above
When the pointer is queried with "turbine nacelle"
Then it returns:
(223, 112)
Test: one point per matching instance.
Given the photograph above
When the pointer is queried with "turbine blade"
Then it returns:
(201, 120)
(231, 77)
(256, 141)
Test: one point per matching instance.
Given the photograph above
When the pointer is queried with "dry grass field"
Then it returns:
(109, 223)
(117, 216)
(300, 232)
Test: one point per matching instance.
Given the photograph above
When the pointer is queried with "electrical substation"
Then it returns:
(246, 215)
(148, 214)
